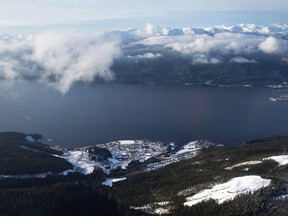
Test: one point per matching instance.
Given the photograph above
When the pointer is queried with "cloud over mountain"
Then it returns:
(60, 59)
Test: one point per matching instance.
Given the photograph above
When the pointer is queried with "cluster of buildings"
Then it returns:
(135, 150)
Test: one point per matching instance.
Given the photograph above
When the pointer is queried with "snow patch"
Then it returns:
(30, 139)
(126, 142)
(81, 161)
(190, 147)
(154, 208)
(229, 190)
(280, 159)
(161, 211)
(109, 182)
(26, 176)
(282, 197)
(243, 164)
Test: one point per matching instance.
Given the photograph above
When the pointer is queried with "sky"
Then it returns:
(33, 15)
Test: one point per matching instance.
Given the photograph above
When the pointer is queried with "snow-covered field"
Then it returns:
(81, 161)
(229, 190)
(280, 159)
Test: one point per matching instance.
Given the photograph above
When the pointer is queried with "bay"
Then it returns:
(99, 113)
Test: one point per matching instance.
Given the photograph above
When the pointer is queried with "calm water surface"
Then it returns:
(100, 113)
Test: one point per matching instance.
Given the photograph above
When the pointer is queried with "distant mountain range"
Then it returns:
(152, 30)
(244, 54)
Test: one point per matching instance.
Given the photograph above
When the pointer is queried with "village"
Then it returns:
(135, 150)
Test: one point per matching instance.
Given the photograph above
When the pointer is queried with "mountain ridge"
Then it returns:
(166, 190)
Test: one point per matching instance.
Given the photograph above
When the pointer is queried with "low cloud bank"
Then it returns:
(224, 43)
(147, 55)
(271, 45)
(59, 59)
(210, 43)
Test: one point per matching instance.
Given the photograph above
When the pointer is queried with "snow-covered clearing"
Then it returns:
(81, 161)
(190, 147)
(109, 182)
(26, 176)
(161, 211)
(155, 208)
(229, 190)
(243, 164)
(280, 159)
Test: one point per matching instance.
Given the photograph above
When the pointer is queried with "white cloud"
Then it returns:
(271, 45)
(225, 43)
(203, 59)
(147, 55)
(6, 69)
(59, 59)
(215, 61)
(242, 60)
(149, 30)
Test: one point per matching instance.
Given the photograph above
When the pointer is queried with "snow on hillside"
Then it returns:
(229, 190)
(243, 164)
(109, 182)
(81, 161)
(185, 152)
(158, 208)
(195, 146)
(190, 147)
(280, 159)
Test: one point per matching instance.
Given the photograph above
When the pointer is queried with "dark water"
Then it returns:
(100, 113)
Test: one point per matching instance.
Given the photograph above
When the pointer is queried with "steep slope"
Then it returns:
(23, 154)
(179, 185)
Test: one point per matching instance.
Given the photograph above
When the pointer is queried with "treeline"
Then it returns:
(72, 195)
(177, 181)
(77, 194)
(19, 156)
